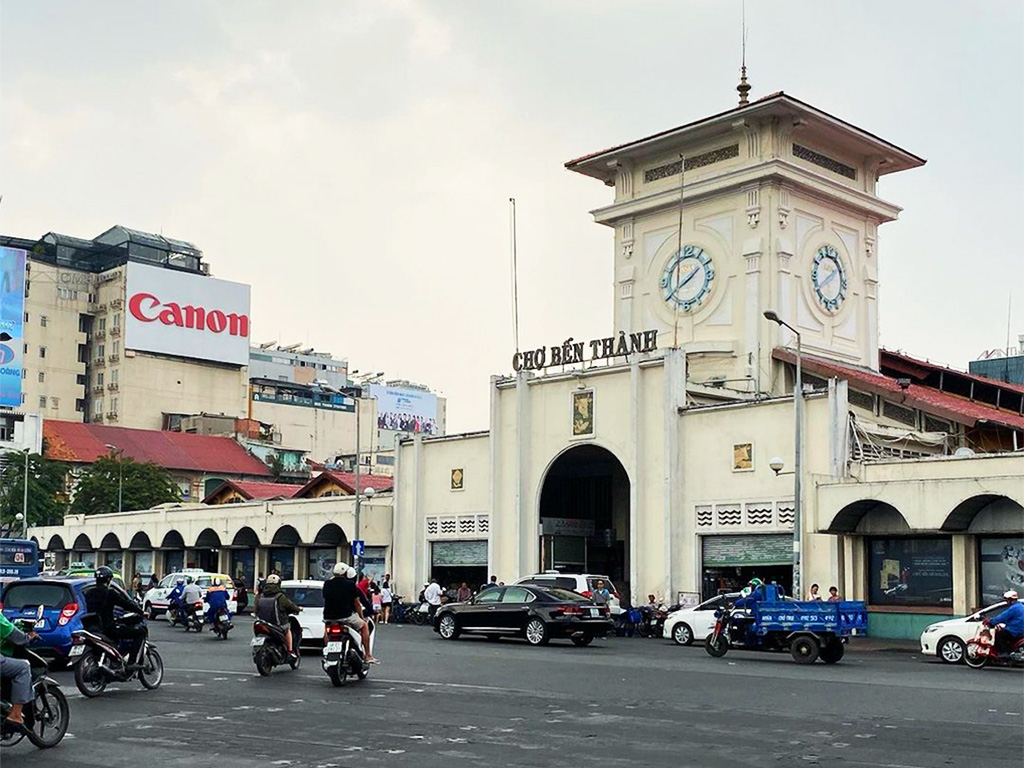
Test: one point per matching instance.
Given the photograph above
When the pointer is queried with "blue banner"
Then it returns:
(12, 326)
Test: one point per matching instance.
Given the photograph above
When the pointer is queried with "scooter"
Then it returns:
(270, 648)
(47, 717)
(192, 616)
(981, 650)
(343, 652)
(100, 661)
(222, 623)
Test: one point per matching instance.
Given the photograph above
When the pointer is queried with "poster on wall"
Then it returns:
(1002, 568)
(911, 572)
(12, 314)
(405, 410)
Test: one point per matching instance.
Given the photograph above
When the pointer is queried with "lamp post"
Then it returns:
(120, 473)
(24, 500)
(798, 398)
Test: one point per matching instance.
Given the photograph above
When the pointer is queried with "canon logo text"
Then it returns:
(149, 309)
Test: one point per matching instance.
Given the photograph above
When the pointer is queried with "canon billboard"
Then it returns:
(188, 315)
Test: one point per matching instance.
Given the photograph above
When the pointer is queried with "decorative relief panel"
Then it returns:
(692, 163)
(704, 517)
(462, 527)
(727, 515)
(823, 161)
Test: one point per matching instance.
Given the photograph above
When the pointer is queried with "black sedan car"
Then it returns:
(539, 614)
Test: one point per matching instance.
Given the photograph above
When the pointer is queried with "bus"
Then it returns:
(19, 559)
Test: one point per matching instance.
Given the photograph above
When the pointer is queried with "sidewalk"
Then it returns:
(869, 644)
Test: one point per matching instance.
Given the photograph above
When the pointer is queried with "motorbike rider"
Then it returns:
(1008, 625)
(274, 607)
(19, 671)
(343, 603)
(217, 598)
(191, 595)
(744, 622)
(174, 598)
(102, 600)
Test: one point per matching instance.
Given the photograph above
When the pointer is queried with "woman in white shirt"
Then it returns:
(386, 598)
(813, 594)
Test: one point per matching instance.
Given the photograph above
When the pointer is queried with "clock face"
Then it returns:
(829, 278)
(687, 278)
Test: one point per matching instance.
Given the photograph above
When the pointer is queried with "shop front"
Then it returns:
(453, 563)
(1000, 567)
(730, 562)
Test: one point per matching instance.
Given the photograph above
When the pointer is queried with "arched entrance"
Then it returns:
(585, 514)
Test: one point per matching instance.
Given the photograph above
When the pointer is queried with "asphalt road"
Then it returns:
(620, 702)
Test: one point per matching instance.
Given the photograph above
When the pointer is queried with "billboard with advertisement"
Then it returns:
(12, 326)
(188, 315)
(405, 410)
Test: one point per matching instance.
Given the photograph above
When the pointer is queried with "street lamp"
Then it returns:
(24, 499)
(776, 464)
(369, 493)
(120, 472)
(20, 518)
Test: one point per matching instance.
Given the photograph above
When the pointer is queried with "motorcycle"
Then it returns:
(222, 623)
(344, 654)
(270, 649)
(100, 661)
(47, 717)
(981, 650)
(188, 615)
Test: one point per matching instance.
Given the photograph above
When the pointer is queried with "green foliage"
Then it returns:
(276, 464)
(144, 485)
(47, 500)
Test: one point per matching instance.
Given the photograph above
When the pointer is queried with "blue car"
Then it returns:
(63, 602)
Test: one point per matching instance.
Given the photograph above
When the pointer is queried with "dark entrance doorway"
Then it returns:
(584, 514)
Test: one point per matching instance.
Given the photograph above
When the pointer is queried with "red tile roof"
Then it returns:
(254, 490)
(889, 358)
(928, 399)
(84, 443)
(347, 480)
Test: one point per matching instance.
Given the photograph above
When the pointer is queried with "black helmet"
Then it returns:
(104, 575)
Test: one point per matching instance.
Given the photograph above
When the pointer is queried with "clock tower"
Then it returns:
(771, 205)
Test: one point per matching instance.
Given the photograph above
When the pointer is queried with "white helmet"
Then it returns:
(345, 570)
(1010, 594)
(273, 579)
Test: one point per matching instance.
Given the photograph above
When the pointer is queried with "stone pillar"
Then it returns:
(526, 515)
(673, 504)
(753, 320)
(965, 569)
(159, 563)
(301, 563)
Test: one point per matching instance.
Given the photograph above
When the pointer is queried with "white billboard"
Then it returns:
(188, 315)
(405, 410)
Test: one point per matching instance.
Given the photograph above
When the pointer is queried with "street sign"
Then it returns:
(358, 548)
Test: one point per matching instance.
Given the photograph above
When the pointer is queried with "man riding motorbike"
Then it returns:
(274, 607)
(217, 597)
(18, 670)
(174, 598)
(1008, 626)
(102, 600)
(343, 603)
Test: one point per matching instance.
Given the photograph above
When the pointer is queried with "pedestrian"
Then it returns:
(137, 586)
(601, 595)
(154, 582)
(492, 583)
(464, 593)
(242, 598)
(364, 586)
(833, 595)
(432, 597)
(260, 584)
(813, 594)
(386, 598)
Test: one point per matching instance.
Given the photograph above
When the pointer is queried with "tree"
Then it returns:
(144, 485)
(276, 464)
(47, 498)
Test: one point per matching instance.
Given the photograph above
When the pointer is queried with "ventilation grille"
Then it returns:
(729, 515)
(467, 525)
(824, 161)
(483, 524)
(861, 400)
(464, 526)
(931, 424)
(899, 413)
(448, 526)
(431, 526)
(786, 513)
(759, 515)
(704, 517)
(692, 163)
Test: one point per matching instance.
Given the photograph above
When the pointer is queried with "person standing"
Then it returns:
(464, 594)
(601, 595)
(813, 594)
(242, 599)
(386, 598)
(833, 595)
(492, 583)
(432, 597)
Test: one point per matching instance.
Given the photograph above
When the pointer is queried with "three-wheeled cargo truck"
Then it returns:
(767, 621)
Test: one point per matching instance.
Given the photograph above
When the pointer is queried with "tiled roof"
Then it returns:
(84, 443)
(347, 480)
(888, 356)
(928, 399)
(255, 490)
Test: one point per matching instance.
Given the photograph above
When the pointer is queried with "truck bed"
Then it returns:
(840, 618)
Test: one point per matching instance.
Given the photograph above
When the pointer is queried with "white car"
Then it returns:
(948, 639)
(687, 624)
(583, 583)
(308, 594)
(155, 600)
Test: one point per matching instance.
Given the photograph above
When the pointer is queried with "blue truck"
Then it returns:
(767, 621)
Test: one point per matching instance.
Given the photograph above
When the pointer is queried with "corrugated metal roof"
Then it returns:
(256, 490)
(347, 480)
(84, 443)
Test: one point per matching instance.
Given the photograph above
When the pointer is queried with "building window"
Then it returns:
(117, 319)
(911, 571)
(24, 373)
(97, 407)
(113, 405)
(42, 351)
(26, 317)
(99, 379)
(42, 401)
(113, 376)
(42, 320)
(42, 377)
(103, 324)
(101, 351)
(55, 402)
(117, 348)
(1001, 562)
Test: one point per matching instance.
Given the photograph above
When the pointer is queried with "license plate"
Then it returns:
(77, 650)
(332, 648)
(222, 617)
(258, 641)
(595, 612)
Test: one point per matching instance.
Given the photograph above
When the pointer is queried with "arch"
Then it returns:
(245, 537)
(331, 535)
(208, 539)
(588, 482)
(964, 514)
(879, 516)
(172, 540)
(56, 544)
(140, 541)
(110, 543)
(82, 543)
(286, 536)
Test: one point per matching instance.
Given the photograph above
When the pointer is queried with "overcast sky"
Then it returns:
(353, 161)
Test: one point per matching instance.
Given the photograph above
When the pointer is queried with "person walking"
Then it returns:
(432, 597)
(386, 599)
(833, 595)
